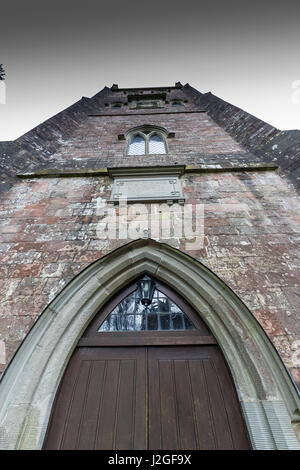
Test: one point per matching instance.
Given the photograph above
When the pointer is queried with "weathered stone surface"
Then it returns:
(263, 140)
(49, 227)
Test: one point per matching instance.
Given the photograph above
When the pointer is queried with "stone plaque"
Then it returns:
(148, 188)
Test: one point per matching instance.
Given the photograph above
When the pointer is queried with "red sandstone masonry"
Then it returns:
(48, 226)
(195, 134)
(251, 242)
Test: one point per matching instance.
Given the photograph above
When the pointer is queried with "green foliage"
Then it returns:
(2, 72)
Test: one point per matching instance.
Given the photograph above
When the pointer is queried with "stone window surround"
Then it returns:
(177, 102)
(146, 131)
(117, 104)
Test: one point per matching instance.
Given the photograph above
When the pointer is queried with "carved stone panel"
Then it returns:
(148, 188)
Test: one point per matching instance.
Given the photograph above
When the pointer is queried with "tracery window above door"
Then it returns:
(161, 315)
(146, 140)
(141, 315)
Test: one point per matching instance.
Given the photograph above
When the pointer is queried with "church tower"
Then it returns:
(149, 262)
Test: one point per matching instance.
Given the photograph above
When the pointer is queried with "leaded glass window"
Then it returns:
(156, 144)
(137, 145)
(161, 315)
(146, 141)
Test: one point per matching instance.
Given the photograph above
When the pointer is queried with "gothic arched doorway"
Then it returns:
(28, 387)
(147, 377)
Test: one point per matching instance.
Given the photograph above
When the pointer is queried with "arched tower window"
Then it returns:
(177, 103)
(137, 145)
(156, 144)
(146, 140)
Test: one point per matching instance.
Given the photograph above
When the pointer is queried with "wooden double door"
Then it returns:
(177, 397)
(157, 390)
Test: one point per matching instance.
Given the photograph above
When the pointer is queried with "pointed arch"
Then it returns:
(146, 139)
(137, 144)
(27, 389)
(156, 143)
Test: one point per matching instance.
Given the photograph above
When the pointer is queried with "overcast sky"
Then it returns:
(247, 53)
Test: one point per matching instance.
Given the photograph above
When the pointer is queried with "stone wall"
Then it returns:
(48, 226)
(263, 140)
(35, 147)
(49, 234)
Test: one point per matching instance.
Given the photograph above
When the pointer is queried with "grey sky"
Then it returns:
(56, 52)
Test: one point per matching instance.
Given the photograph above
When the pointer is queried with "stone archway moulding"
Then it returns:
(268, 397)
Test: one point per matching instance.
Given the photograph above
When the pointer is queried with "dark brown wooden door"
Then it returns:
(179, 397)
(101, 403)
(192, 400)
